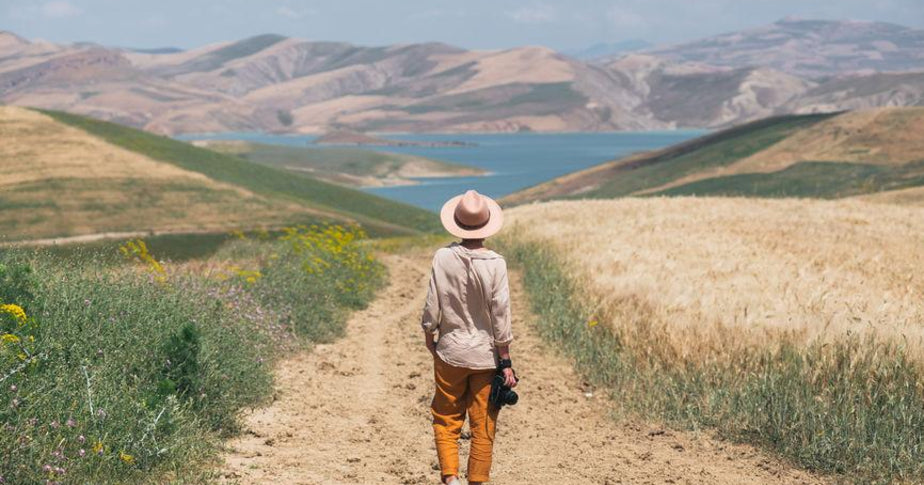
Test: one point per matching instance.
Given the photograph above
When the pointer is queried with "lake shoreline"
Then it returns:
(515, 160)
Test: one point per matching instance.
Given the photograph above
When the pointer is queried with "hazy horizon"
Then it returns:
(477, 24)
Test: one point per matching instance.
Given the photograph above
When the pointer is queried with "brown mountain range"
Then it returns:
(809, 48)
(279, 84)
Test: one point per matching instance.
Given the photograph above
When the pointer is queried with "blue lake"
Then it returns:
(516, 161)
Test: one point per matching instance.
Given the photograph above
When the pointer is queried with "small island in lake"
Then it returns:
(347, 137)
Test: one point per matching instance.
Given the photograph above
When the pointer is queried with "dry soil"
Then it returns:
(357, 412)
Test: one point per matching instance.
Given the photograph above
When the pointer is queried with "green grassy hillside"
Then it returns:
(820, 155)
(377, 213)
(716, 150)
(636, 173)
(809, 179)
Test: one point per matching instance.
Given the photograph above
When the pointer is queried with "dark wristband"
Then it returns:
(504, 364)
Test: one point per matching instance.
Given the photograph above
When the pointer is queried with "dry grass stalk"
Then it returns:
(690, 278)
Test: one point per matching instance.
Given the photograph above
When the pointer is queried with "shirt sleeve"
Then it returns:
(500, 307)
(431, 312)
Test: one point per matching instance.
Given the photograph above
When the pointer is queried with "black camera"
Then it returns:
(501, 394)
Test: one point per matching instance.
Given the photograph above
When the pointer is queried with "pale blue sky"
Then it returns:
(466, 23)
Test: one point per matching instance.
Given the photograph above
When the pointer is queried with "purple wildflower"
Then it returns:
(54, 425)
(46, 468)
(12, 389)
(82, 439)
(101, 413)
(82, 453)
(71, 423)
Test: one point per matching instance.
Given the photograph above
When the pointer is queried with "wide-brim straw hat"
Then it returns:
(472, 216)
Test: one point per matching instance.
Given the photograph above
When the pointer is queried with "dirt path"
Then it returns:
(357, 412)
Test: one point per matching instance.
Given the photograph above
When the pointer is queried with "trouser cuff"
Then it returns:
(479, 472)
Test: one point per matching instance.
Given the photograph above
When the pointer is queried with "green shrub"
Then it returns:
(181, 368)
(316, 275)
(17, 282)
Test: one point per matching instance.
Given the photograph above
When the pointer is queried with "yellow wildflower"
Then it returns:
(15, 311)
(125, 457)
(592, 323)
(98, 447)
(249, 276)
(9, 338)
(138, 250)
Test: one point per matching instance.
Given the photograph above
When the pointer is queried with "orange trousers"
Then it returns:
(461, 391)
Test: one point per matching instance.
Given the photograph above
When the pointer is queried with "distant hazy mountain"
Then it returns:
(604, 50)
(861, 92)
(158, 50)
(274, 83)
(809, 48)
(280, 84)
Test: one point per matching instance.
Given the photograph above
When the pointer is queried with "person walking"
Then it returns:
(467, 329)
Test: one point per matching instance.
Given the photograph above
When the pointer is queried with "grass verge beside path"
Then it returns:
(853, 408)
(133, 373)
(368, 209)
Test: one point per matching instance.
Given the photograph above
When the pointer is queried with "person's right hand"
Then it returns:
(431, 345)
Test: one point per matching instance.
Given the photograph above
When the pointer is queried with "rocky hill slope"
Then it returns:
(280, 84)
(809, 48)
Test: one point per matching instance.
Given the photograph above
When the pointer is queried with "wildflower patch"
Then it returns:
(111, 375)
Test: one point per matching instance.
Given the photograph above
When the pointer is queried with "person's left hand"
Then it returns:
(510, 378)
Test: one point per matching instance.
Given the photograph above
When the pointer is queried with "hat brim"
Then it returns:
(496, 221)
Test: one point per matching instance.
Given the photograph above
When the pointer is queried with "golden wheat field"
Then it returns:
(728, 271)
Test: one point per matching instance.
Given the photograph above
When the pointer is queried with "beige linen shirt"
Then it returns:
(468, 304)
